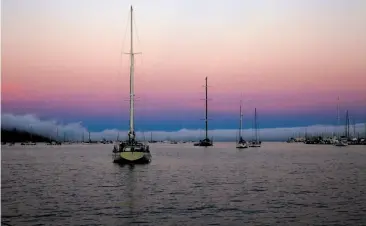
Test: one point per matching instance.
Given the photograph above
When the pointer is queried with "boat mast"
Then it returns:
(131, 133)
(347, 125)
(31, 137)
(337, 133)
(255, 124)
(241, 122)
(206, 121)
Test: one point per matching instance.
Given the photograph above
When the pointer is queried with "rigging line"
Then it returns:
(122, 45)
(137, 34)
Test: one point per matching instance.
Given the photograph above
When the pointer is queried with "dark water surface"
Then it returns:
(277, 184)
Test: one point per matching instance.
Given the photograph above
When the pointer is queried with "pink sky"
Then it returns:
(288, 50)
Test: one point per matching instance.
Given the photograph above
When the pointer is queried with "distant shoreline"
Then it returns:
(18, 136)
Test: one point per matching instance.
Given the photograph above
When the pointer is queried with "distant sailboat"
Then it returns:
(205, 142)
(255, 143)
(339, 142)
(131, 151)
(151, 139)
(241, 143)
(57, 141)
(30, 142)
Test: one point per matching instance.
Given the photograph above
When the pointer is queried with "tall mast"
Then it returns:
(131, 133)
(31, 137)
(206, 111)
(347, 128)
(255, 124)
(337, 117)
(241, 121)
(348, 124)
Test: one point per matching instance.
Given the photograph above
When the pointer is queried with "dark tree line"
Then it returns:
(15, 135)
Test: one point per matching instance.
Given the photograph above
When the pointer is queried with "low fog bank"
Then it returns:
(74, 131)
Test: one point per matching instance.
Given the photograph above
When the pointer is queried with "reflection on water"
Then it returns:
(276, 184)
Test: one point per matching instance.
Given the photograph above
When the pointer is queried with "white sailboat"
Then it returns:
(131, 151)
(241, 143)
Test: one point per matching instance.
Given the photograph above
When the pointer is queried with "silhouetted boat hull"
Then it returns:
(242, 145)
(204, 143)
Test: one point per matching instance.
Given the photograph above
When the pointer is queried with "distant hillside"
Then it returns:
(21, 136)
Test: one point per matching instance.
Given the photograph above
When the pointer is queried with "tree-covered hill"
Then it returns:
(15, 135)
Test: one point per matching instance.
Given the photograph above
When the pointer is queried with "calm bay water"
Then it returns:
(277, 184)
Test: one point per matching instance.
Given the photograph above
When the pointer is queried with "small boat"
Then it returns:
(205, 142)
(151, 139)
(241, 143)
(131, 151)
(255, 143)
(28, 143)
(339, 142)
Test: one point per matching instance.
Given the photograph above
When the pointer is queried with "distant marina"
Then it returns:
(334, 138)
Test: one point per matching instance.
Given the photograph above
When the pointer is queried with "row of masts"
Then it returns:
(207, 141)
(334, 135)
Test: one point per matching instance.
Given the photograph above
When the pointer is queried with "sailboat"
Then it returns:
(241, 143)
(131, 151)
(57, 141)
(255, 143)
(30, 142)
(151, 139)
(205, 142)
(339, 141)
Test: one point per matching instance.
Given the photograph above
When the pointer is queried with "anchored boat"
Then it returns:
(131, 151)
(340, 142)
(241, 143)
(255, 143)
(205, 142)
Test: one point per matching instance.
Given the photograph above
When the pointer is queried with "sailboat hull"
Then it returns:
(204, 143)
(242, 145)
(340, 144)
(132, 157)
